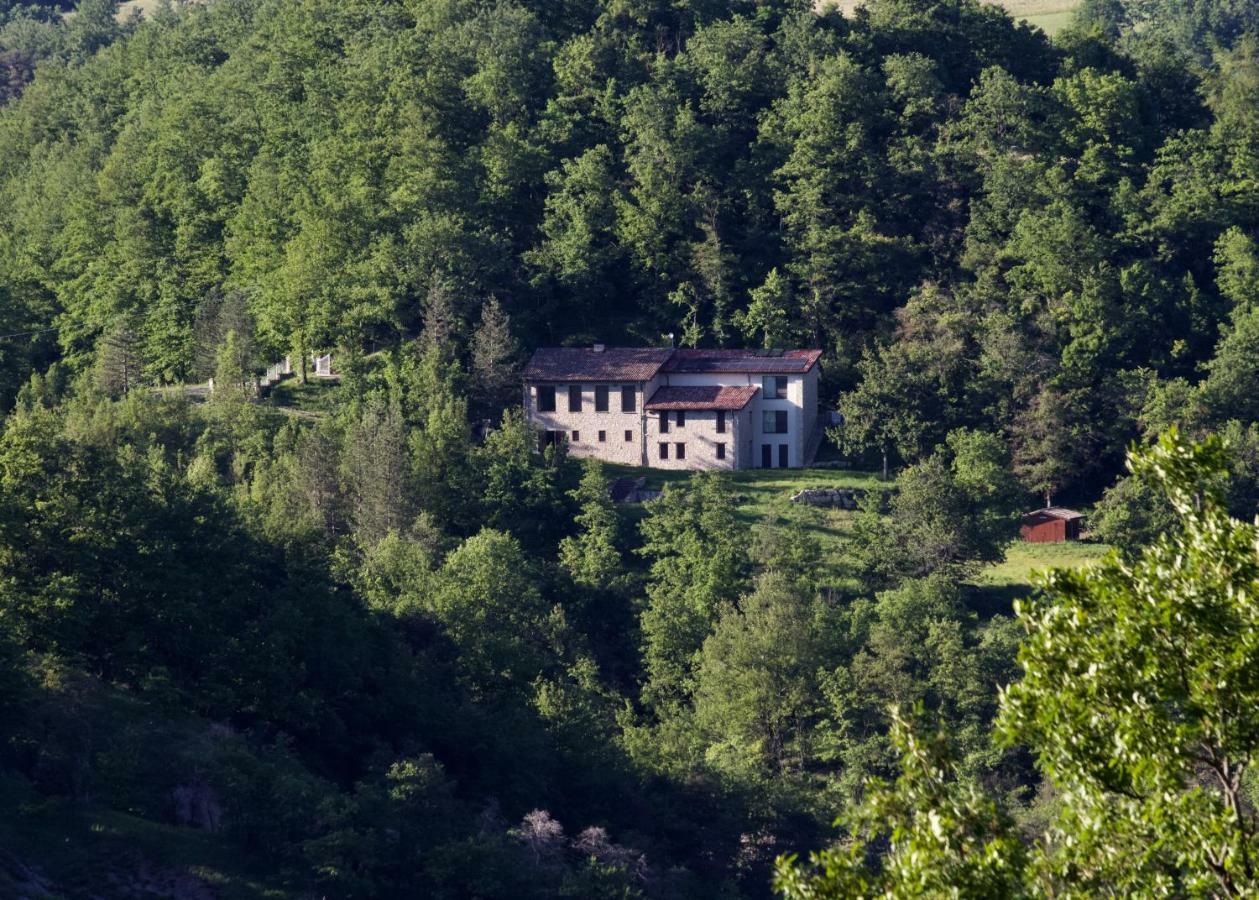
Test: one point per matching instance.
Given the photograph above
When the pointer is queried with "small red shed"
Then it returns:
(1052, 526)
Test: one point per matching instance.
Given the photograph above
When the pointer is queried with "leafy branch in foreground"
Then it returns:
(1141, 697)
(943, 836)
(1140, 701)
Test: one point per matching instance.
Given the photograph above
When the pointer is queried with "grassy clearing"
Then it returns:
(1052, 23)
(145, 7)
(1000, 585)
(1022, 560)
(316, 398)
(127, 7)
(1026, 9)
(767, 492)
(1050, 15)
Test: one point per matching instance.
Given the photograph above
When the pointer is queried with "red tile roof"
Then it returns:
(642, 363)
(703, 397)
(586, 364)
(756, 362)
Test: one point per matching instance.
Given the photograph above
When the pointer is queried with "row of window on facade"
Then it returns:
(629, 398)
(550, 438)
(774, 421)
(554, 437)
(774, 387)
(679, 419)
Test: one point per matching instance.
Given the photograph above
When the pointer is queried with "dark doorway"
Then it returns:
(767, 456)
(783, 450)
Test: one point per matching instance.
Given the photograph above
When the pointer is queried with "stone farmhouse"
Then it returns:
(677, 409)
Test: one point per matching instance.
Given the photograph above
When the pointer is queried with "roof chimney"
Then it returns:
(599, 348)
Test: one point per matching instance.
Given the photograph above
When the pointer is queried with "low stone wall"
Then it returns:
(834, 498)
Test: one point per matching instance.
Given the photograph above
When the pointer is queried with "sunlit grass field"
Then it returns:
(1050, 15)
(1022, 560)
(127, 7)
(1052, 22)
(997, 587)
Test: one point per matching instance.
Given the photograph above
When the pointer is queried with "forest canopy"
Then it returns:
(981, 228)
(382, 647)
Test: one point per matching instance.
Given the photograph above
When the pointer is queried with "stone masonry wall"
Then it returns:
(582, 429)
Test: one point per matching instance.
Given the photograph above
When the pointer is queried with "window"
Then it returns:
(576, 436)
(629, 437)
(775, 387)
(574, 398)
(721, 451)
(601, 398)
(775, 421)
(664, 450)
(721, 425)
(782, 456)
(681, 451)
(681, 419)
(664, 423)
(629, 398)
(546, 398)
(603, 436)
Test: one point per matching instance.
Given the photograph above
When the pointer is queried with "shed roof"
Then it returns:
(1053, 512)
(588, 364)
(702, 397)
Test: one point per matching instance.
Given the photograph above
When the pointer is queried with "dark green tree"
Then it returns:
(592, 556)
(697, 550)
(954, 510)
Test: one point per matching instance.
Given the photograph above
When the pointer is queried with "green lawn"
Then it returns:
(1023, 559)
(315, 398)
(998, 586)
(765, 492)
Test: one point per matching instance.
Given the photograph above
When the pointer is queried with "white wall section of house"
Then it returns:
(699, 437)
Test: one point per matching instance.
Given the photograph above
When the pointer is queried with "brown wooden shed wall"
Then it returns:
(1051, 531)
